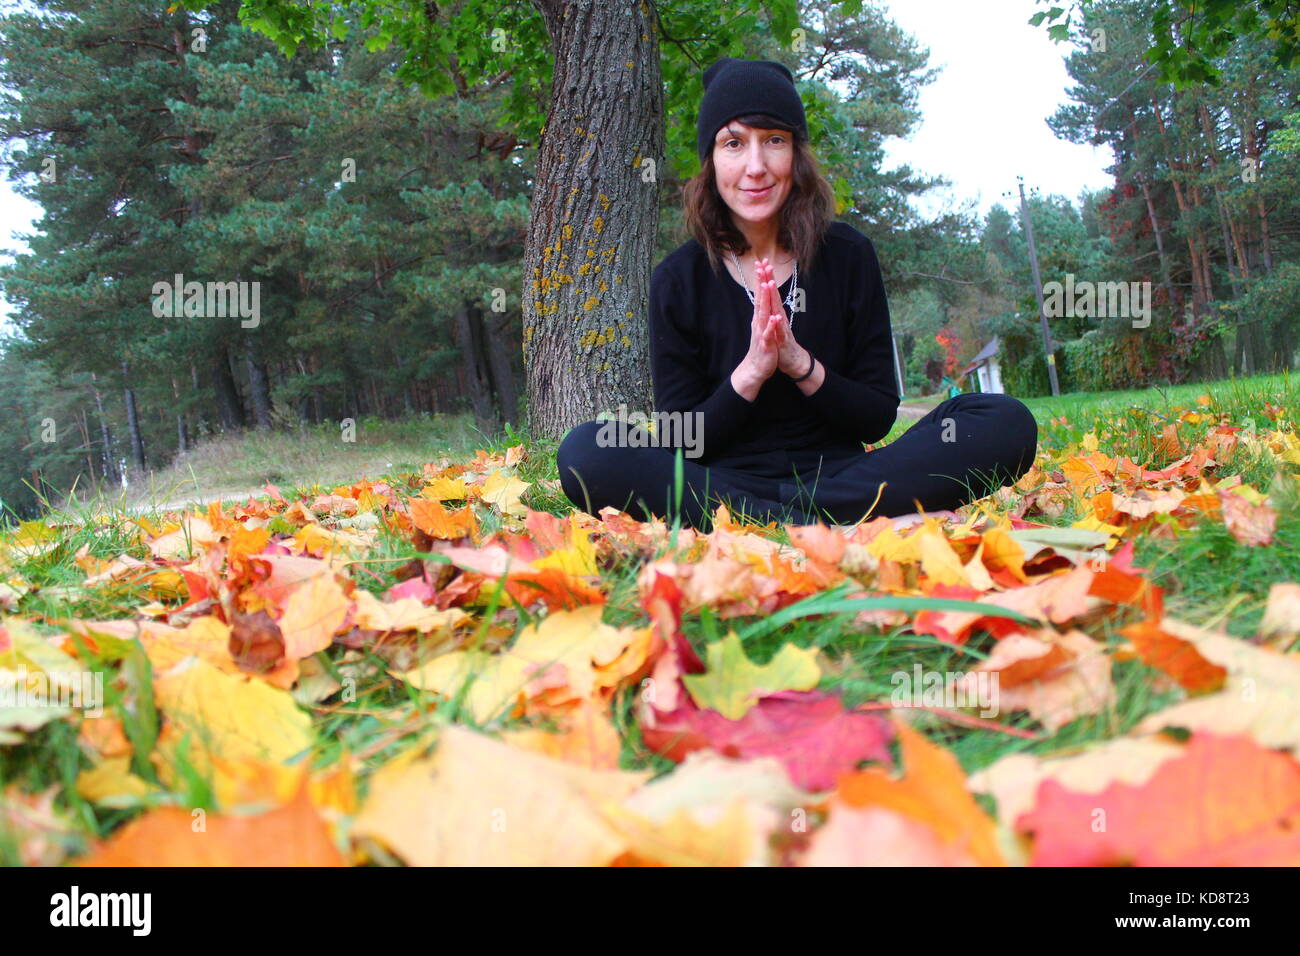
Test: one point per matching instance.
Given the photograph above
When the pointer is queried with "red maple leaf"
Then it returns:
(810, 732)
(1226, 801)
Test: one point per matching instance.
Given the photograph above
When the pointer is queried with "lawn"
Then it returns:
(432, 659)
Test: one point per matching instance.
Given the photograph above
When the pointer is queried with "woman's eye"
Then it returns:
(770, 138)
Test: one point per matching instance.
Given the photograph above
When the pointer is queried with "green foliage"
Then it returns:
(1097, 362)
(1027, 376)
(1186, 36)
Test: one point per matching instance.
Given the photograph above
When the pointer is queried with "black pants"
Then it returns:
(964, 449)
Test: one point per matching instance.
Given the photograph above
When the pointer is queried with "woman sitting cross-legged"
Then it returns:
(770, 377)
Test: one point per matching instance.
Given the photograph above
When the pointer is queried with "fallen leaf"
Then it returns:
(732, 683)
(932, 791)
(811, 733)
(1075, 687)
(1261, 696)
(1013, 780)
(1251, 524)
(1282, 613)
(313, 614)
(711, 811)
(291, 835)
(874, 836)
(1225, 801)
(479, 802)
(229, 716)
(1174, 656)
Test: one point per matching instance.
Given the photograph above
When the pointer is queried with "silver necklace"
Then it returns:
(790, 296)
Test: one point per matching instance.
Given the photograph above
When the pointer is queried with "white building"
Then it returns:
(985, 366)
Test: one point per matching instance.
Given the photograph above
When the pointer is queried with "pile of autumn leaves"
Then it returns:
(512, 754)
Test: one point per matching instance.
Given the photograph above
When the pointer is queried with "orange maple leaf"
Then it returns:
(931, 791)
(291, 835)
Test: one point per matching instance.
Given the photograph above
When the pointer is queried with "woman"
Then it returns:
(783, 364)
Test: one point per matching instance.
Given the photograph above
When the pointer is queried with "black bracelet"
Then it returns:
(811, 365)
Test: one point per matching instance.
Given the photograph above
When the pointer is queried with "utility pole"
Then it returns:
(898, 366)
(1038, 288)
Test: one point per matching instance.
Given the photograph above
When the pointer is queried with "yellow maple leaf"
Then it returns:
(503, 491)
(479, 802)
(112, 784)
(566, 657)
(1093, 523)
(404, 614)
(317, 540)
(445, 489)
(939, 561)
(732, 684)
(578, 558)
(710, 811)
(227, 716)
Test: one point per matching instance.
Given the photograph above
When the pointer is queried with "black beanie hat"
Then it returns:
(735, 87)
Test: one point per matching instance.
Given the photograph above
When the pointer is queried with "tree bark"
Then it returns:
(1210, 130)
(182, 428)
(83, 426)
(258, 388)
(105, 434)
(230, 410)
(478, 382)
(593, 219)
(499, 349)
(133, 421)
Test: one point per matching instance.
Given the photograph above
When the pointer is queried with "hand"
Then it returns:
(763, 357)
(792, 358)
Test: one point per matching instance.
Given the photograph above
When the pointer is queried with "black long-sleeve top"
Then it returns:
(699, 332)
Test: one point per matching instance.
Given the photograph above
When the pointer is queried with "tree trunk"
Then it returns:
(182, 429)
(1212, 153)
(230, 410)
(258, 388)
(594, 215)
(317, 400)
(478, 382)
(1202, 292)
(133, 422)
(203, 426)
(83, 426)
(105, 434)
(1156, 231)
(499, 349)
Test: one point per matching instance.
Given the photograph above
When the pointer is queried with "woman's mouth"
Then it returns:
(758, 193)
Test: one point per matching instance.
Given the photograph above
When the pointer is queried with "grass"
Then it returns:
(233, 466)
(1209, 578)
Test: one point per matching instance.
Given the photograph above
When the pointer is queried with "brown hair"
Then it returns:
(804, 216)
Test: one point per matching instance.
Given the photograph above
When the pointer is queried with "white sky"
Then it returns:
(984, 116)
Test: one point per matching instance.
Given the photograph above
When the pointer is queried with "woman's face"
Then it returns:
(747, 159)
